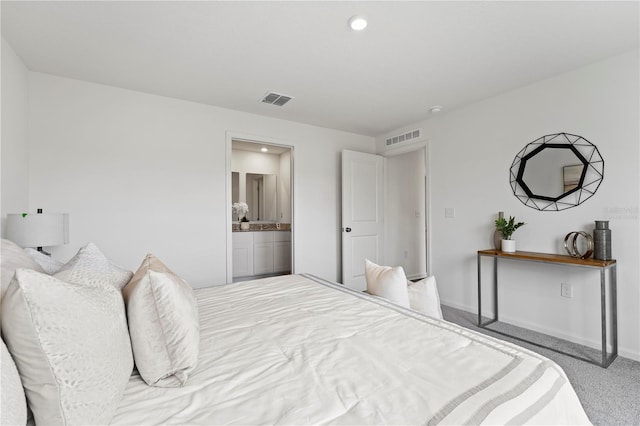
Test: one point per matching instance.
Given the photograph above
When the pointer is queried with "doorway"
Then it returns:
(406, 212)
(404, 238)
(259, 174)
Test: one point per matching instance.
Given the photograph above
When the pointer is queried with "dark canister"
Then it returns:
(602, 241)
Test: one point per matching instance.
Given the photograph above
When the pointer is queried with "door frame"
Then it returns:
(263, 140)
(427, 188)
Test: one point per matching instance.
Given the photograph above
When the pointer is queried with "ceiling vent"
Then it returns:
(405, 137)
(276, 99)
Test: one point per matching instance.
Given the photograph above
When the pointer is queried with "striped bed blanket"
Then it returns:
(297, 349)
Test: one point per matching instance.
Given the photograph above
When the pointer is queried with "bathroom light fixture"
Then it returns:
(435, 109)
(357, 23)
(263, 149)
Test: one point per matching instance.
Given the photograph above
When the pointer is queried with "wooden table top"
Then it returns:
(547, 257)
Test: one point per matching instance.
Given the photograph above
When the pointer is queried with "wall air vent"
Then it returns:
(405, 137)
(276, 99)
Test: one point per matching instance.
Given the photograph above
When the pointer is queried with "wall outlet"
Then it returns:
(406, 254)
(449, 212)
(566, 290)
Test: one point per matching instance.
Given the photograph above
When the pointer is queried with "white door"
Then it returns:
(362, 215)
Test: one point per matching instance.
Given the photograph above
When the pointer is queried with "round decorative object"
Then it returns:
(571, 244)
(244, 226)
(556, 172)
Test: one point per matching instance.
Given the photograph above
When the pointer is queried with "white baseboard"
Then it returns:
(623, 352)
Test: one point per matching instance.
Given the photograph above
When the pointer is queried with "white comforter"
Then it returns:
(289, 350)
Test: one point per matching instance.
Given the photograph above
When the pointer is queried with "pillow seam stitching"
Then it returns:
(162, 328)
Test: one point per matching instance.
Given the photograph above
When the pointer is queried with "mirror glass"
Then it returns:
(556, 172)
(261, 195)
(552, 172)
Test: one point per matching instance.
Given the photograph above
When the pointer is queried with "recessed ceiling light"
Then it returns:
(263, 149)
(435, 109)
(357, 23)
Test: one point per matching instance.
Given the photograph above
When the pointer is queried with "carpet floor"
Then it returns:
(609, 396)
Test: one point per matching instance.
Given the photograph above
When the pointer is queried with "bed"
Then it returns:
(298, 349)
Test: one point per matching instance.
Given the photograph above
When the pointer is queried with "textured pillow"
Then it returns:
(163, 324)
(13, 410)
(47, 263)
(12, 258)
(423, 297)
(90, 266)
(71, 346)
(387, 282)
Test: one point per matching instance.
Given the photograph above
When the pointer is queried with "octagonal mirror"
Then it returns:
(556, 172)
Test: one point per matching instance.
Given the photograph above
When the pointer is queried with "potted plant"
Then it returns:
(241, 209)
(507, 228)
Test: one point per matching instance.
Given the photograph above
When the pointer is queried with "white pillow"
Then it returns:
(163, 324)
(423, 297)
(47, 263)
(13, 408)
(387, 282)
(71, 346)
(13, 257)
(89, 266)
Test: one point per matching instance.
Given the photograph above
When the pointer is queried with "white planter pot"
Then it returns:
(244, 226)
(509, 246)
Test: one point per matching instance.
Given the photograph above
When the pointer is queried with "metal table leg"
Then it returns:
(607, 358)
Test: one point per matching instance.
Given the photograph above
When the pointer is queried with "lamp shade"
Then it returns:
(38, 230)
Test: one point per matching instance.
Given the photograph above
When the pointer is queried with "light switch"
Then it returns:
(449, 212)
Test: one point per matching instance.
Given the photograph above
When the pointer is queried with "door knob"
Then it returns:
(348, 229)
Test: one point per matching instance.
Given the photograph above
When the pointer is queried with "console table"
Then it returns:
(602, 265)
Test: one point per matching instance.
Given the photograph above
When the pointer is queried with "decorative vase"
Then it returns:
(602, 241)
(244, 226)
(509, 246)
(497, 235)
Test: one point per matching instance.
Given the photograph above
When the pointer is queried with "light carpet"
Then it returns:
(609, 396)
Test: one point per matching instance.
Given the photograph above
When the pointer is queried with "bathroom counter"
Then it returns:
(256, 227)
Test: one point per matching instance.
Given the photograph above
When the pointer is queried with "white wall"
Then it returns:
(405, 225)
(255, 162)
(140, 173)
(471, 151)
(14, 153)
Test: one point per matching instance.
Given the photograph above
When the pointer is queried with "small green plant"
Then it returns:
(507, 227)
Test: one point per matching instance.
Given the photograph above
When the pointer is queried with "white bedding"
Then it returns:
(290, 350)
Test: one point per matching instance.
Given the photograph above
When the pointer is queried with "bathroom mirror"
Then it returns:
(556, 172)
(261, 195)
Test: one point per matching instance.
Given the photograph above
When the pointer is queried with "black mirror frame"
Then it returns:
(590, 178)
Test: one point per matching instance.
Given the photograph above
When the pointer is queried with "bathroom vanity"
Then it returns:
(264, 249)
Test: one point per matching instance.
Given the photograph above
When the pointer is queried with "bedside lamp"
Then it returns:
(38, 230)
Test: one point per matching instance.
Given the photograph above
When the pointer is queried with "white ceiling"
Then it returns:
(413, 55)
